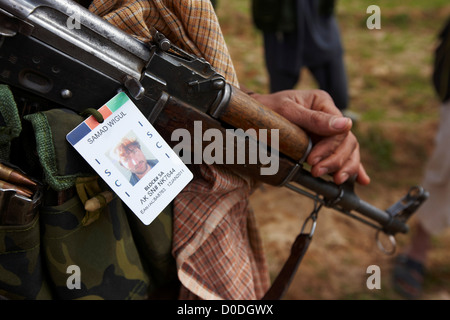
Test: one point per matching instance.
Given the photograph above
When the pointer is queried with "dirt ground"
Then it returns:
(335, 266)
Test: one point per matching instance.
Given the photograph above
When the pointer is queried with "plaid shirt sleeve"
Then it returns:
(191, 25)
(216, 244)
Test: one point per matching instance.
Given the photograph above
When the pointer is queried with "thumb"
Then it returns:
(323, 124)
(340, 124)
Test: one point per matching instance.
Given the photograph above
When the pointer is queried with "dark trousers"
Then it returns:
(284, 69)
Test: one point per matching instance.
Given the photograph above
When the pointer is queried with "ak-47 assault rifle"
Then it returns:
(59, 51)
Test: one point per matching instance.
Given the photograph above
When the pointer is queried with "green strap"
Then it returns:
(95, 113)
(46, 152)
(10, 125)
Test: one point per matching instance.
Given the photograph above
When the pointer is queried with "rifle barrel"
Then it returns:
(342, 197)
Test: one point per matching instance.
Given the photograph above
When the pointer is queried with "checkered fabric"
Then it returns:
(190, 24)
(216, 244)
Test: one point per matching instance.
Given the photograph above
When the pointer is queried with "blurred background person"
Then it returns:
(303, 33)
(434, 215)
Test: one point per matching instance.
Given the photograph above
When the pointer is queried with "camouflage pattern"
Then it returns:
(104, 251)
(117, 256)
(22, 274)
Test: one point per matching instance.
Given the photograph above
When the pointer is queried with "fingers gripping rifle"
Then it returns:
(60, 52)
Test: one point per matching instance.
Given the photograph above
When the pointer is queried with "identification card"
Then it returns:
(131, 156)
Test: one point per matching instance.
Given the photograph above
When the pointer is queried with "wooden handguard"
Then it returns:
(245, 112)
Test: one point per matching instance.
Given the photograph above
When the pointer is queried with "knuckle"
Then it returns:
(322, 94)
(316, 119)
(284, 107)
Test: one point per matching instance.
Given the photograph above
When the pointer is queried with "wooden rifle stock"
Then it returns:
(245, 112)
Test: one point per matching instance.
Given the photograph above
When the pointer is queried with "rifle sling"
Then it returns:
(286, 275)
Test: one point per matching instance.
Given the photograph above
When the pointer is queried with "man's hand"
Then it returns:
(335, 150)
